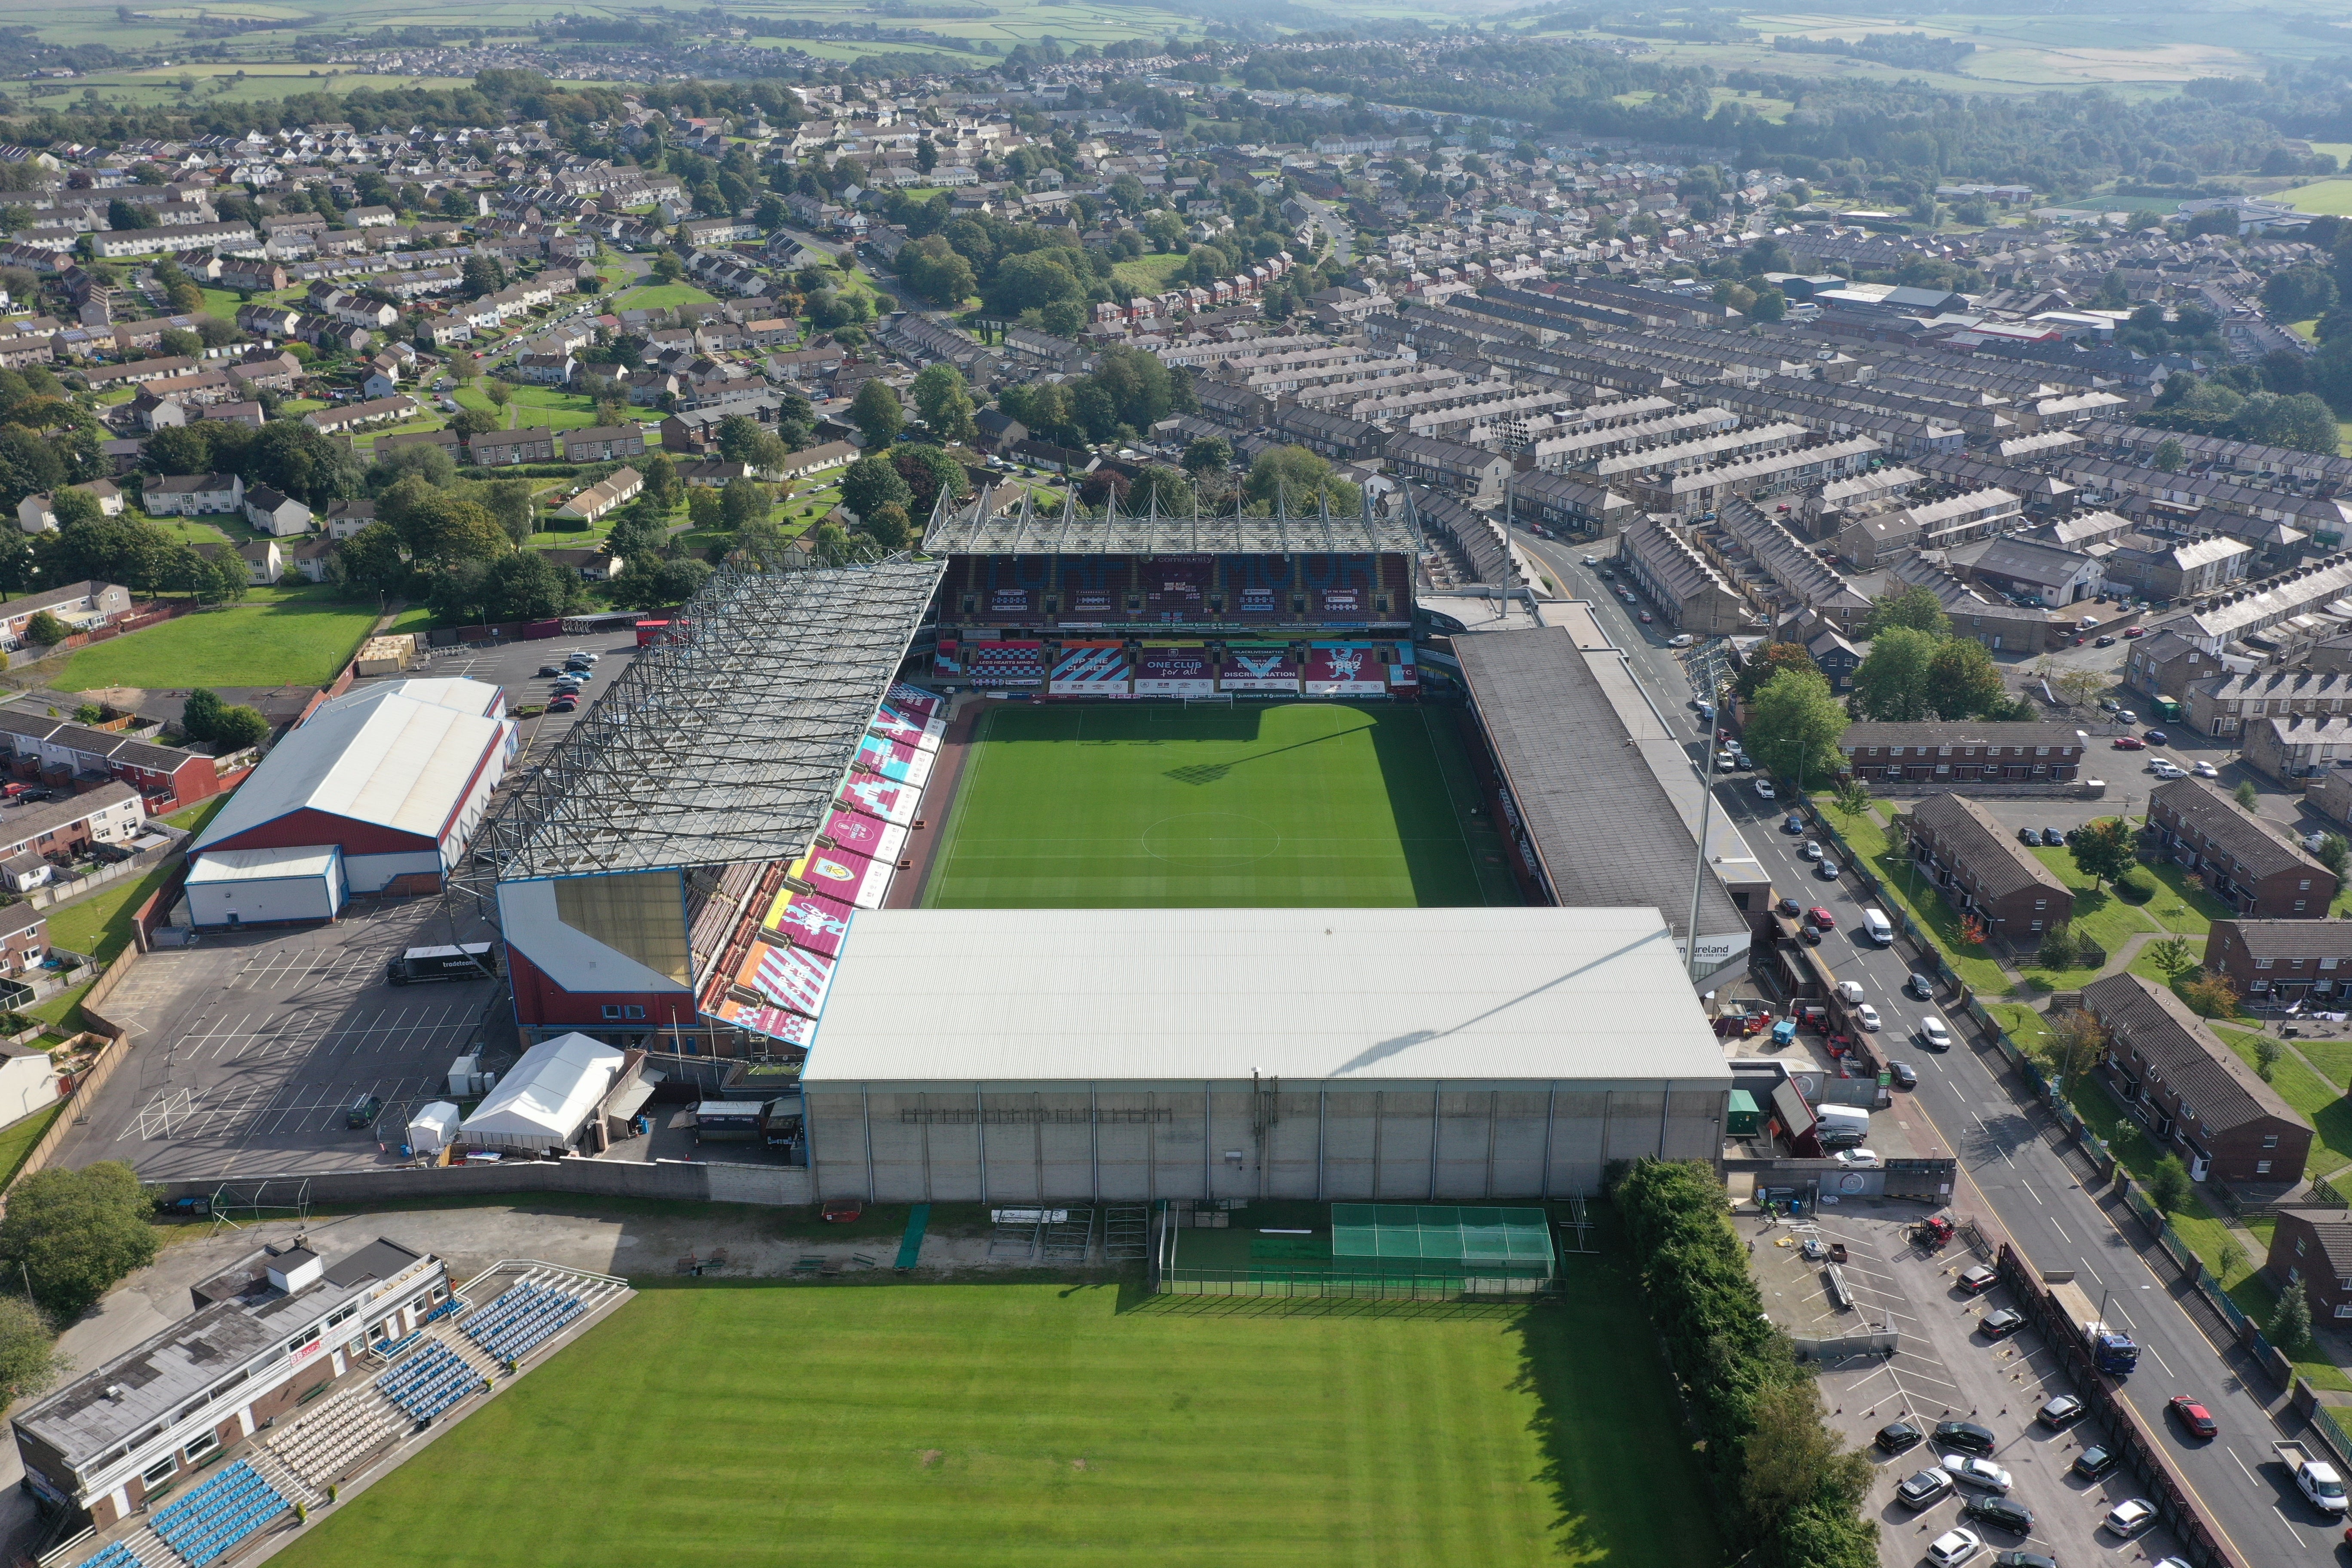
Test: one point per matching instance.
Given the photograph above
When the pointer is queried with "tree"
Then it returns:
(2210, 996)
(2076, 686)
(200, 713)
(371, 560)
(1792, 1456)
(2169, 457)
(431, 463)
(528, 586)
(887, 526)
(929, 472)
(295, 459)
(497, 392)
(441, 528)
(1208, 455)
(668, 267)
(2102, 850)
(46, 629)
(876, 412)
(1298, 481)
(871, 482)
(1916, 608)
(1891, 685)
(945, 402)
(1793, 724)
(471, 422)
(2245, 793)
(29, 1359)
(740, 501)
(2173, 955)
(2266, 1056)
(512, 506)
(1963, 681)
(1851, 796)
(238, 727)
(2290, 1326)
(664, 490)
(2167, 1185)
(2073, 1043)
(2298, 294)
(736, 436)
(764, 542)
(75, 1232)
(2231, 1259)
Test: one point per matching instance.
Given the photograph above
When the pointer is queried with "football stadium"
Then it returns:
(1179, 887)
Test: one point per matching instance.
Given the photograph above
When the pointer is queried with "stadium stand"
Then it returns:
(429, 1382)
(218, 1514)
(116, 1555)
(508, 1327)
(319, 1449)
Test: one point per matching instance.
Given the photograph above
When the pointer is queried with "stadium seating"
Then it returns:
(511, 1326)
(322, 1446)
(116, 1555)
(429, 1382)
(218, 1514)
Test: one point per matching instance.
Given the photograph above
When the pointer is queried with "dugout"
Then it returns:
(1352, 1055)
(1377, 1251)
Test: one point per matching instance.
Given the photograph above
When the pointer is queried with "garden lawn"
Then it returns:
(16, 1140)
(661, 296)
(285, 635)
(1036, 1426)
(2321, 1101)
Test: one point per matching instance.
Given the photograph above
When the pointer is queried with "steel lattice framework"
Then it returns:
(725, 742)
(1024, 530)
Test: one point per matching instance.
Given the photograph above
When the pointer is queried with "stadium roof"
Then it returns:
(728, 739)
(1367, 996)
(1603, 824)
(382, 755)
(1024, 530)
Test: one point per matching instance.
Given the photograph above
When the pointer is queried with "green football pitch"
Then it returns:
(1252, 805)
(1034, 1426)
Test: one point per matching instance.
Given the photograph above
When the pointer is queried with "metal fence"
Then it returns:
(1343, 1287)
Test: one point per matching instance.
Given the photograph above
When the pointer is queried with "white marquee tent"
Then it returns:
(546, 1097)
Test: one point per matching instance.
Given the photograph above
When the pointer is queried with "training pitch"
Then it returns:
(1251, 805)
(1041, 1425)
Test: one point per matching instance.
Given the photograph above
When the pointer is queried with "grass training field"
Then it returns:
(1144, 805)
(285, 635)
(1037, 1425)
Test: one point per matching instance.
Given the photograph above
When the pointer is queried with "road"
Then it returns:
(2010, 1147)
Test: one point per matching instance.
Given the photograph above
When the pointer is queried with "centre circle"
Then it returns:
(1210, 840)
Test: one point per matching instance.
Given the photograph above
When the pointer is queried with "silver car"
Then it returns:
(1971, 1471)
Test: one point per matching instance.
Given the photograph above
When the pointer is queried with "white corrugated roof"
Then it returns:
(549, 1092)
(382, 756)
(441, 690)
(929, 995)
(261, 865)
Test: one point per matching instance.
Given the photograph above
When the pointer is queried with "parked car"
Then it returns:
(2093, 1462)
(2027, 837)
(2060, 1413)
(1954, 1547)
(2206, 771)
(2020, 1559)
(549, 671)
(1681, 639)
(2130, 743)
(1904, 1075)
(1965, 1435)
(1828, 870)
(1934, 1035)
(2126, 1520)
(2126, 716)
(1645, 617)
(1899, 1437)
(363, 1110)
(564, 704)
(1812, 851)
(1975, 1470)
(1858, 1159)
(2001, 1513)
(1976, 1281)
(2053, 839)
(2166, 771)
(2156, 738)
(2192, 1416)
(2001, 1323)
(1925, 1487)
(1792, 824)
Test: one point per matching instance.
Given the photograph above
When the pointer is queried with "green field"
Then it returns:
(1143, 805)
(278, 637)
(1036, 1424)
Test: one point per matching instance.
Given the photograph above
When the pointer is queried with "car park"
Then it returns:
(565, 704)
(1922, 987)
(2093, 1462)
(1934, 1035)
(2126, 716)
(1898, 1437)
(549, 671)
(2022, 1558)
(2060, 1413)
(1904, 1075)
(1925, 1487)
(1868, 1017)
(1976, 1281)
(2166, 771)
(1954, 1547)
(2001, 1513)
(2192, 1416)
(2126, 1520)
(2000, 1322)
(1975, 1470)
(1965, 1435)
(1764, 790)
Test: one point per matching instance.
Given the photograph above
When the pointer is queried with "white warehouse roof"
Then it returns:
(548, 1095)
(380, 756)
(1358, 995)
(262, 864)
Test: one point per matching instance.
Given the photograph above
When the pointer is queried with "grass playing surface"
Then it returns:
(1144, 805)
(1034, 1426)
(292, 635)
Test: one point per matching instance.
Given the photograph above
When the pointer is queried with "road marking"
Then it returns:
(2241, 1463)
(2061, 1231)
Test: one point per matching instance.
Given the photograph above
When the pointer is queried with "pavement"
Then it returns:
(2019, 1167)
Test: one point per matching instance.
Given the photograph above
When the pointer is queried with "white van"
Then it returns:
(1881, 929)
(1842, 1125)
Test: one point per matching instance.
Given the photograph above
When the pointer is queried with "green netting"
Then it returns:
(1370, 1242)
(1437, 1234)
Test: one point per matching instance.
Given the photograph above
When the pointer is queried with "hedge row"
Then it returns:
(1792, 1489)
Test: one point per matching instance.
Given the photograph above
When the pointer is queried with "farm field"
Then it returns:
(1039, 1424)
(278, 637)
(1157, 805)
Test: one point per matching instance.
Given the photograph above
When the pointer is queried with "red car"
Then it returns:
(1822, 918)
(2193, 1416)
(1645, 617)
(2130, 743)
(2135, 631)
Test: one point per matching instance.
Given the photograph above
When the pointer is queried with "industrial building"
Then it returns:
(379, 790)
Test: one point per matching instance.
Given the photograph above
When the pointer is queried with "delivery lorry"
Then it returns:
(2316, 1480)
(2111, 1350)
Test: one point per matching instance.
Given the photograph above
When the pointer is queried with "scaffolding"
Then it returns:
(724, 744)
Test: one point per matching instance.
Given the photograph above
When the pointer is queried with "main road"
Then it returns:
(2012, 1149)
